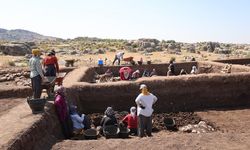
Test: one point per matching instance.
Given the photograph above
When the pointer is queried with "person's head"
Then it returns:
(133, 110)
(60, 90)
(73, 109)
(144, 89)
(36, 52)
(53, 52)
(109, 111)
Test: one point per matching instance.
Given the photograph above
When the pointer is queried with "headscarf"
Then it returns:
(36, 52)
(133, 111)
(72, 109)
(144, 89)
(109, 111)
(60, 90)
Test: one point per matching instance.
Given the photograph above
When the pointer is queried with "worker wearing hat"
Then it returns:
(145, 101)
(50, 64)
(36, 73)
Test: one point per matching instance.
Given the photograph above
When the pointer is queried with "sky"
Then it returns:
(225, 21)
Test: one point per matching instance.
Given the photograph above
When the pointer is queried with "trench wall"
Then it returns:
(242, 61)
(175, 93)
(161, 69)
(42, 134)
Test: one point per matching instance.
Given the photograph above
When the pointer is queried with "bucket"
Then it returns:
(170, 123)
(90, 134)
(124, 132)
(36, 105)
(111, 131)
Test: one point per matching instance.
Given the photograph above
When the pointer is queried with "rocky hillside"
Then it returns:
(22, 35)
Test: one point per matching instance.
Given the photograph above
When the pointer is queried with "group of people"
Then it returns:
(138, 121)
(126, 73)
(39, 68)
(171, 70)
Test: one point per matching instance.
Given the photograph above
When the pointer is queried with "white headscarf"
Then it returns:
(133, 111)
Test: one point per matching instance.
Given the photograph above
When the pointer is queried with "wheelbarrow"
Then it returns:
(59, 78)
(69, 62)
(129, 60)
(49, 84)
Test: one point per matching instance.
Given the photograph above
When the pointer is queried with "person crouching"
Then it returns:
(80, 123)
(131, 121)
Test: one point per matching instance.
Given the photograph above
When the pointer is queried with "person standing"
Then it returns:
(62, 111)
(36, 73)
(171, 68)
(144, 102)
(119, 57)
(50, 64)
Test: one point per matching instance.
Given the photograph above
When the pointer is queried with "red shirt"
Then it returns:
(131, 121)
(50, 60)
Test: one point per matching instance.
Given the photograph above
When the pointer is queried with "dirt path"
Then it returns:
(234, 134)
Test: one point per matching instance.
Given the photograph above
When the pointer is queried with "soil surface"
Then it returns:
(234, 133)
(180, 118)
(7, 104)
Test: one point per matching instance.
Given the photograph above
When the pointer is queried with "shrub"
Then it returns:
(11, 63)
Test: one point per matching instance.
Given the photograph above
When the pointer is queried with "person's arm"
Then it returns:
(79, 119)
(102, 121)
(137, 100)
(155, 98)
(57, 66)
(43, 62)
(125, 119)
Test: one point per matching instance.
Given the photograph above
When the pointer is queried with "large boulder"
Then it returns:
(15, 49)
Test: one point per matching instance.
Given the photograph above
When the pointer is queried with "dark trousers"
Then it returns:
(50, 70)
(145, 123)
(116, 58)
(87, 122)
(133, 131)
(65, 129)
(36, 86)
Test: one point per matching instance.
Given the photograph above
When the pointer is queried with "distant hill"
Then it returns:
(22, 35)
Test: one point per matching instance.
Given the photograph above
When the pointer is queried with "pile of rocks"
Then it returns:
(20, 78)
(201, 127)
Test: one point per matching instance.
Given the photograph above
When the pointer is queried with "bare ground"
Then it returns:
(7, 104)
(234, 134)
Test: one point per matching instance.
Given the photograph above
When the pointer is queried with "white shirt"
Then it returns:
(147, 101)
(77, 121)
(120, 55)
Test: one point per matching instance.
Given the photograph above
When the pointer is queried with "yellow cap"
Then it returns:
(36, 51)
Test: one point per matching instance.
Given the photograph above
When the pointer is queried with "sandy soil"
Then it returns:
(156, 57)
(7, 104)
(234, 134)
